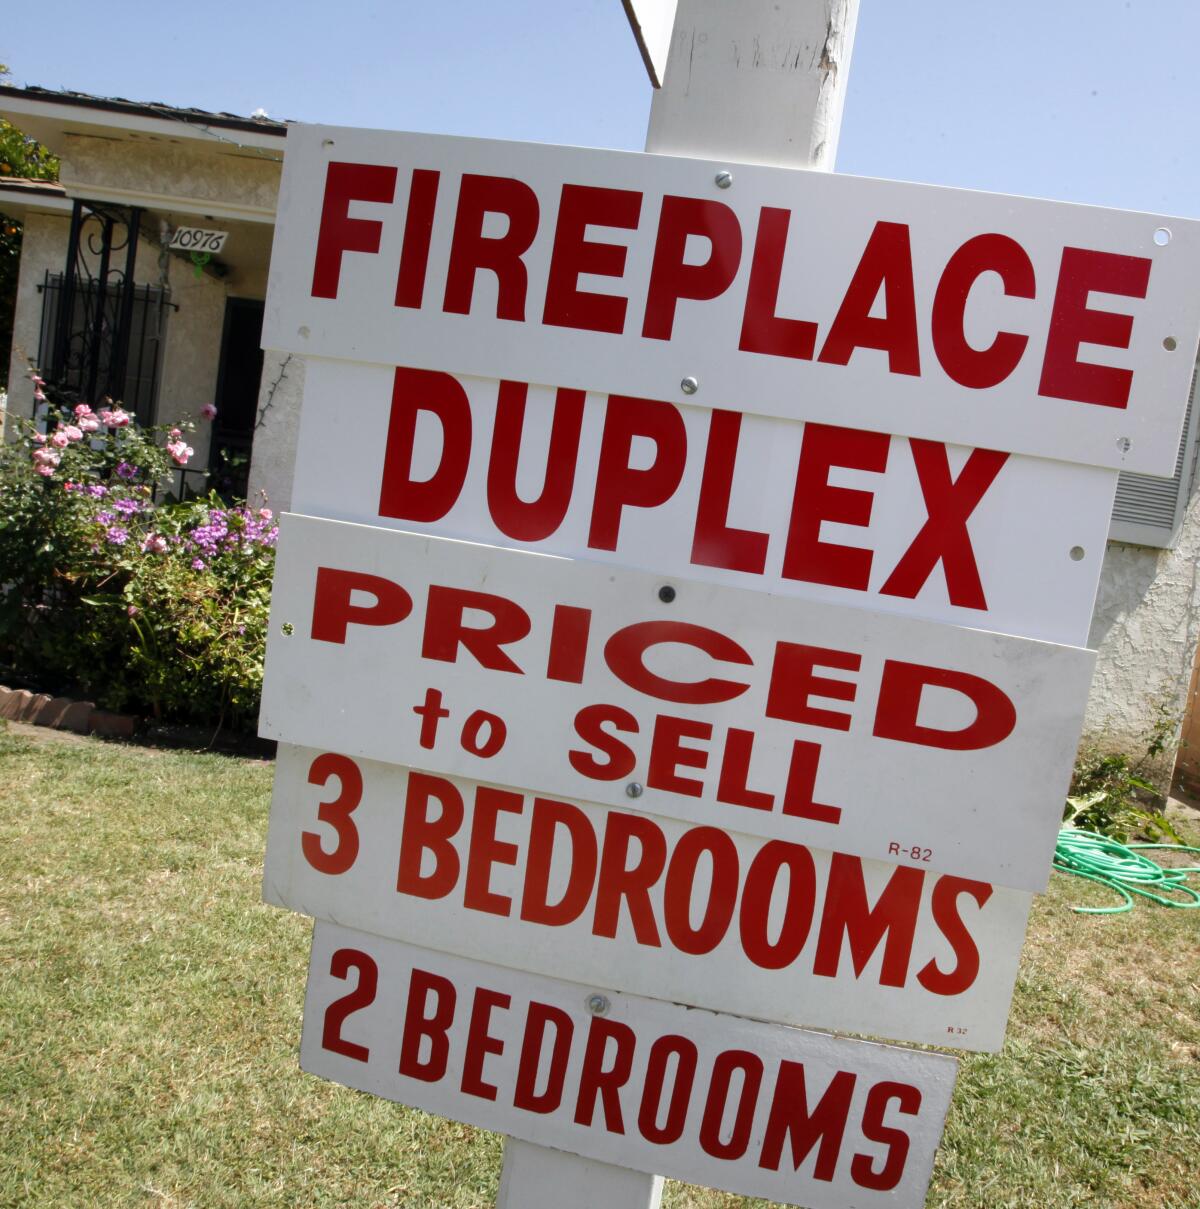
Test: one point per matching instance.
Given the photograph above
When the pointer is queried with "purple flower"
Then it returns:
(127, 508)
(197, 564)
(104, 518)
(126, 471)
(116, 536)
(96, 491)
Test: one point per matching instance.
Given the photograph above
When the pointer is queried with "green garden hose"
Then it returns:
(1119, 867)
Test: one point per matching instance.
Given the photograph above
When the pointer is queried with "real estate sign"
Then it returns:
(1062, 331)
(881, 736)
(613, 897)
(753, 1108)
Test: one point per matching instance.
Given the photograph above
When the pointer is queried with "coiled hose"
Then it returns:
(1122, 868)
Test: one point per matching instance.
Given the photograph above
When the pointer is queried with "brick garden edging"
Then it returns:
(64, 713)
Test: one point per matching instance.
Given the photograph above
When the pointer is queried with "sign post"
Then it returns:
(792, 112)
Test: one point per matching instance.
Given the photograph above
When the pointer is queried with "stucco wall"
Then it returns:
(279, 399)
(1145, 629)
(225, 175)
(43, 247)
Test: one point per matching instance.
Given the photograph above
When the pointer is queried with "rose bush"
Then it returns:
(151, 605)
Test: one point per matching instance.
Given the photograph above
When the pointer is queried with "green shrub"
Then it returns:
(154, 607)
(1105, 789)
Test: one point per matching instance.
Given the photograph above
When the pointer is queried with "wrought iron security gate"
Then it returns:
(93, 315)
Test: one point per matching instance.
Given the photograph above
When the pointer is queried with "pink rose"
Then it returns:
(71, 432)
(133, 610)
(36, 378)
(208, 412)
(46, 457)
(44, 471)
(155, 544)
(89, 423)
(265, 514)
(175, 434)
(39, 438)
(180, 452)
(39, 395)
(60, 439)
(83, 410)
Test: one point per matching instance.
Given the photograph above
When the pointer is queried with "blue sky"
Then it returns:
(1085, 100)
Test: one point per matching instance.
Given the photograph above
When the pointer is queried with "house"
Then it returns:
(187, 333)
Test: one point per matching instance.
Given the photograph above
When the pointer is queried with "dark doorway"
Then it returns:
(237, 397)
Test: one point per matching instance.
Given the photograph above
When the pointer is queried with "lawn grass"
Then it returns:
(150, 1018)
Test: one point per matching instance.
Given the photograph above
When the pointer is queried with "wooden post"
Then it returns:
(757, 81)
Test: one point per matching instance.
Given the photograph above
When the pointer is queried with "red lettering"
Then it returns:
(596, 1080)
(672, 277)
(686, 1057)
(486, 850)
(446, 629)
(886, 265)
(862, 1169)
(681, 882)
(339, 233)
(715, 544)
(582, 206)
(847, 915)
(759, 891)
(480, 1042)
(533, 520)
(944, 538)
(568, 644)
(441, 395)
(418, 231)
(580, 860)
(421, 1024)
(1073, 322)
(789, 1119)
(799, 797)
(421, 834)
(619, 880)
(946, 893)
(727, 1063)
(618, 484)
(763, 331)
(975, 367)
(732, 787)
(471, 250)
(625, 655)
(816, 500)
(793, 682)
(900, 702)
(589, 726)
(667, 754)
(333, 611)
(541, 1016)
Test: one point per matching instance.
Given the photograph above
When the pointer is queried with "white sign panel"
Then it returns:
(197, 239)
(651, 905)
(974, 537)
(1058, 330)
(756, 1109)
(872, 734)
